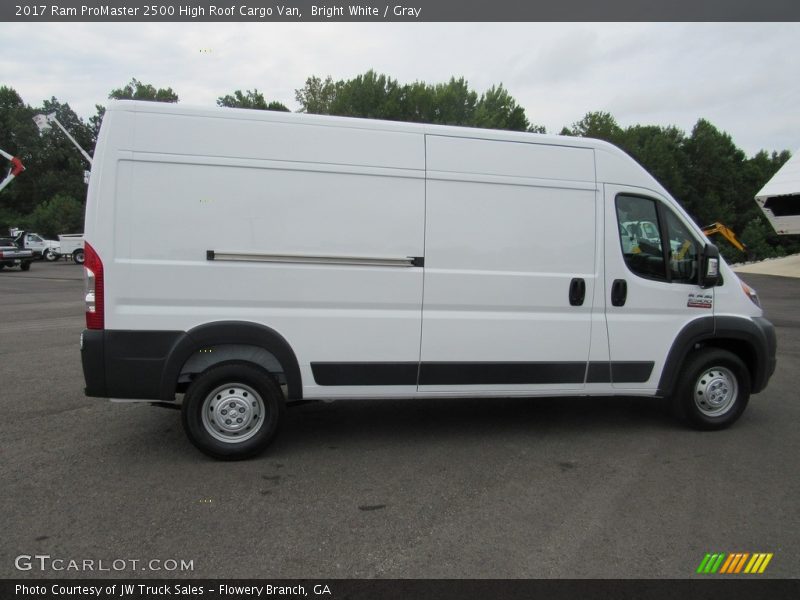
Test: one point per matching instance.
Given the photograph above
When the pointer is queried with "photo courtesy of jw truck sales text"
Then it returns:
(250, 259)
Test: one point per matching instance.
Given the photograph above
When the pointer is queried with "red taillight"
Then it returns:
(95, 299)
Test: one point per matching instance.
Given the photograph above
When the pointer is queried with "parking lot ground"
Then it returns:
(517, 488)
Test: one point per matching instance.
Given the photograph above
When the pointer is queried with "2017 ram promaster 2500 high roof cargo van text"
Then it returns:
(248, 259)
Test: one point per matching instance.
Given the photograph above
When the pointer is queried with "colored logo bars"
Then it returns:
(737, 562)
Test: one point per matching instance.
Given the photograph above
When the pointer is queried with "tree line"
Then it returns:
(704, 169)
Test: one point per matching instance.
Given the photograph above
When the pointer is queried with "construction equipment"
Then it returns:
(727, 233)
(16, 169)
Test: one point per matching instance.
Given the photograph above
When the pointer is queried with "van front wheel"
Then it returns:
(232, 411)
(714, 390)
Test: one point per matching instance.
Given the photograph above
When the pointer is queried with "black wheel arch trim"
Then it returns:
(758, 333)
(230, 332)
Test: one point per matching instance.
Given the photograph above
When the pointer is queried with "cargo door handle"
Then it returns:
(619, 292)
(577, 291)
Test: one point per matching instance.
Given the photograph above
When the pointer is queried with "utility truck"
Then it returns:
(71, 245)
(239, 260)
(37, 244)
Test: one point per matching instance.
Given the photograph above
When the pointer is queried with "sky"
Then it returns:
(743, 77)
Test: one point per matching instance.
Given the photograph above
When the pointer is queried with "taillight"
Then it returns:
(95, 299)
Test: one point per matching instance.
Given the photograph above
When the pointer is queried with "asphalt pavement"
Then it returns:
(518, 488)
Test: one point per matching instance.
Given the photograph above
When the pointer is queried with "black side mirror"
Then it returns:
(709, 266)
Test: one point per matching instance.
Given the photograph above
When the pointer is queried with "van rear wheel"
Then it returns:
(232, 411)
(714, 390)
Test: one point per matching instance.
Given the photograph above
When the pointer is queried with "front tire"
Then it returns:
(49, 255)
(232, 411)
(714, 390)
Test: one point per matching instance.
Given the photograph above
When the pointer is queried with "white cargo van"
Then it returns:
(249, 259)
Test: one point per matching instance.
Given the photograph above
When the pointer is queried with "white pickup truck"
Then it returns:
(37, 244)
(69, 244)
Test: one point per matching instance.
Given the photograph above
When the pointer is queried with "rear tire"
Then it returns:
(232, 411)
(78, 256)
(714, 390)
(25, 266)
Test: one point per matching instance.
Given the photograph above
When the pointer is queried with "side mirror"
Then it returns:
(709, 267)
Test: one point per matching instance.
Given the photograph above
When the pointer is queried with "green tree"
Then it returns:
(95, 121)
(496, 109)
(379, 96)
(317, 96)
(60, 214)
(133, 90)
(369, 95)
(454, 103)
(58, 167)
(19, 137)
(600, 125)
(250, 99)
(714, 176)
(136, 90)
(660, 151)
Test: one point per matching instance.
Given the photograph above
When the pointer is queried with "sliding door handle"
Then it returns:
(577, 291)
(619, 292)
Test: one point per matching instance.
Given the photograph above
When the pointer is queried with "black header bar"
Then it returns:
(407, 11)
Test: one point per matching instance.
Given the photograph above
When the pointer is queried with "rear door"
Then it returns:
(510, 266)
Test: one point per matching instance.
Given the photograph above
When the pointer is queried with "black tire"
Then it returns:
(240, 388)
(714, 389)
(78, 256)
(49, 255)
(25, 265)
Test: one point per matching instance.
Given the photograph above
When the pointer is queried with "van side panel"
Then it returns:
(218, 189)
(501, 251)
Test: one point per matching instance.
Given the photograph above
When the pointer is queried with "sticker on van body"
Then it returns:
(700, 300)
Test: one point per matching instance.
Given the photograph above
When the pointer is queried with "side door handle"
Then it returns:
(577, 291)
(619, 292)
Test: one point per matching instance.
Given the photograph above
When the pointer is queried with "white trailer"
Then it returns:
(251, 258)
(779, 199)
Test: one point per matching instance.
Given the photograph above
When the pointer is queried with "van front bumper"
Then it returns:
(769, 347)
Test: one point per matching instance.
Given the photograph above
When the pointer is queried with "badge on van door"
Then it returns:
(700, 300)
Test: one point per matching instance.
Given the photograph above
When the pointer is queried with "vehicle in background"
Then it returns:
(71, 245)
(12, 255)
(728, 234)
(41, 247)
(779, 199)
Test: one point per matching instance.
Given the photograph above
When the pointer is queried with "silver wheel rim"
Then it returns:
(716, 391)
(233, 413)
